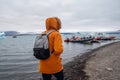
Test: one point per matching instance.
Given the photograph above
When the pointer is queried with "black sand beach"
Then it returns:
(99, 64)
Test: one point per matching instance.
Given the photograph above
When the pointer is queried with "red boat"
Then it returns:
(77, 39)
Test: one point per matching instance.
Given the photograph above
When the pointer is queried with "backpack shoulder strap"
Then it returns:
(48, 35)
(50, 32)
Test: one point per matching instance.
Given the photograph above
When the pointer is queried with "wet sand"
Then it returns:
(99, 64)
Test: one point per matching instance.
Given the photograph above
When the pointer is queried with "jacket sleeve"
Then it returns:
(58, 47)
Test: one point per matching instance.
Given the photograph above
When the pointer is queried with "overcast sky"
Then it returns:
(76, 15)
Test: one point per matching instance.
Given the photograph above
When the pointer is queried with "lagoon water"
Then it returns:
(18, 63)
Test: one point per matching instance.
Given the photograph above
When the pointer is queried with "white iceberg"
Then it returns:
(2, 35)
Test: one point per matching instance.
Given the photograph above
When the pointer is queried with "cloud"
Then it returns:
(30, 15)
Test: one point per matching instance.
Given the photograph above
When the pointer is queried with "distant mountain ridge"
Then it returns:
(15, 33)
(11, 33)
(114, 32)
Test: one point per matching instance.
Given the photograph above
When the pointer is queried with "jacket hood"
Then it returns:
(53, 23)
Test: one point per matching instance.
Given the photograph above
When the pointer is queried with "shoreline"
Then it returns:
(73, 70)
(76, 69)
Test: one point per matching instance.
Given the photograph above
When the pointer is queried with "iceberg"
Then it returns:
(2, 35)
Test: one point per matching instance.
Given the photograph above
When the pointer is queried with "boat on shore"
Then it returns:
(90, 39)
(79, 40)
(108, 38)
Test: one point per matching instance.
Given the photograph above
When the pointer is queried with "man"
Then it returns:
(53, 65)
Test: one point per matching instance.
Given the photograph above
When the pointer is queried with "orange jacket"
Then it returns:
(53, 64)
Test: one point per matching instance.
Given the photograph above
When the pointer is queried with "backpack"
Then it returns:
(41, 46)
